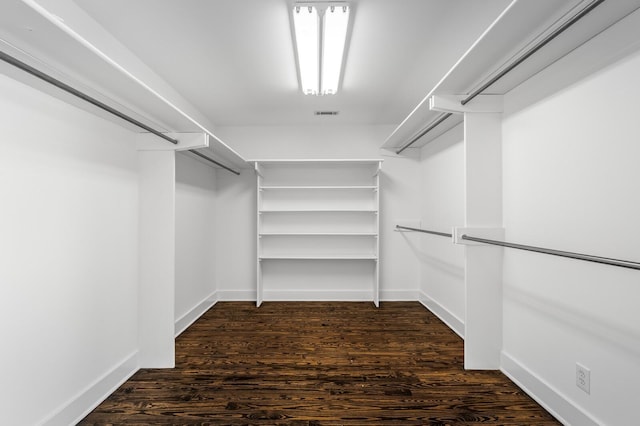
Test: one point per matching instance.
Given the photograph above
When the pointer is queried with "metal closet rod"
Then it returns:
(59, 84)
(408, 228)
(432, 126)
(193, 151)
(571, 255)
(579, 256)
(533, 50)
(509, 68)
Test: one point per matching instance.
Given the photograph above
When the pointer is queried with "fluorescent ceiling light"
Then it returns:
(334, 36)
(320, 48)
(306, 23)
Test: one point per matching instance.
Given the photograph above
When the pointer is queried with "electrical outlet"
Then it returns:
(583, 378)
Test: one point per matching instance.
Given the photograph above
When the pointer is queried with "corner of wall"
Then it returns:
(82, 404)
(558, 405)
(195, 313)
(452, 321)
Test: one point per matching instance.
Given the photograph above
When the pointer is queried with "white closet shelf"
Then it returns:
(329, 187)
(521, 25)
(317, 161)
(318, 211)
(102, 69)
(319, 257)
(318, 234)
(311, 211)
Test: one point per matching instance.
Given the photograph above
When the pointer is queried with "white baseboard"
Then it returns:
(236, 295)
(82, 404)
(318, 296)
(311, 296)
(454, 323)
(561, 407)
(398, 296)
(190, 317)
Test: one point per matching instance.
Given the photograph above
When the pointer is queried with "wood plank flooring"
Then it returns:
(318, 364)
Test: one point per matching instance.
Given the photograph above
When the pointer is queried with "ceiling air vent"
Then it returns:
(326, 113)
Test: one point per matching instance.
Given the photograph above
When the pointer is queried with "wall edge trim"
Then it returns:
(236, 295)
(318, 296)
(185, 321)
(558, 405)
(445, 315)
(398, 295)
(75, 409)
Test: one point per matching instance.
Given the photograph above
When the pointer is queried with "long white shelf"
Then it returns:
(321, 161)
(318, 211)
(521, 25)
(329, 187)
(318, 257)
(103, 69)
(318, 234)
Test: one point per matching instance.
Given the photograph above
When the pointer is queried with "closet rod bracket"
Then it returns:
(451, 104)
(487, 233)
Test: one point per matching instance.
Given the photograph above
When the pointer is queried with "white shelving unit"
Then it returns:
(317, 223)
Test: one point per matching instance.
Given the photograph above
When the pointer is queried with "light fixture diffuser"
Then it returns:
(320, 37)
(334, 36)
(306, 24)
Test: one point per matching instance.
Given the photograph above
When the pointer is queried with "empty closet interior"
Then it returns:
(478, 157)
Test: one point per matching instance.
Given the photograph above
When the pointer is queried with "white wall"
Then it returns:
(571, 179)
(570, 182)
(237, 223)
(68, 252)
(442, 208)
(196, 205)
(235, 243)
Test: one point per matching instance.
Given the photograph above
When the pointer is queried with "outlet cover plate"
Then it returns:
(583, 378)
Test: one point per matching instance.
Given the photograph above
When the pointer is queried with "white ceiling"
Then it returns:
(234, 59)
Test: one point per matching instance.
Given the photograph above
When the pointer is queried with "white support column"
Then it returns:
(483, 217)
(259, 286)
(156, 251)
(483, 264)
(157, 244)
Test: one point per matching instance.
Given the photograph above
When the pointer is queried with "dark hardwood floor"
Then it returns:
(318, 364)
